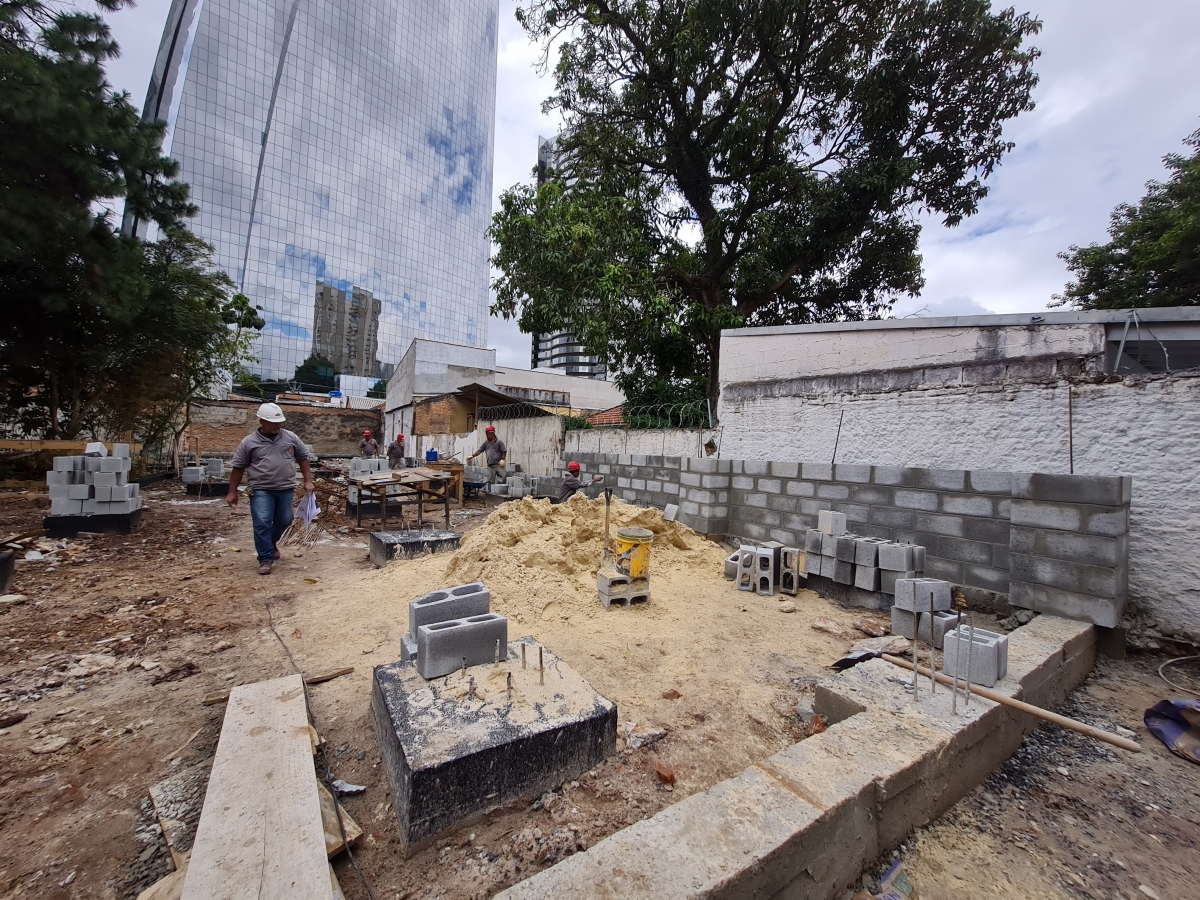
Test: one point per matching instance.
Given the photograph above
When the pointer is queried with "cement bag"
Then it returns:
(308, 508)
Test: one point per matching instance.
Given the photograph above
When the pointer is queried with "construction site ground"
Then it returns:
(121, 637)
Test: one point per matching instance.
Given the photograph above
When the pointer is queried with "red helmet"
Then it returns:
(399, 437)
(366, 434)
(572, 466)
(491, 429)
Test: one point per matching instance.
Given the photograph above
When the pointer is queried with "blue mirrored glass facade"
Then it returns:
(340, 153)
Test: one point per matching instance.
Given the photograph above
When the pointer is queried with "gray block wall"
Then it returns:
(1054, 543)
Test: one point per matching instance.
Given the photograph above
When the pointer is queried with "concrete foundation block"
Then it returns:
(919, 594)
(1056, 601)
(747, 561)
(388, 545)
(120, 451)
(812, 541)
(896, 557)
(887, 580)
(812, 563)
(831, 522)
(845, 547)
(989, 655)
(449, 756)
(791, 571)
(843, 572)
(459, 602)
(59, 491)
(902, 624)
(866, 577)
(443, 646)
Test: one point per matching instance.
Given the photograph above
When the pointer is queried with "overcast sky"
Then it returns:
(1118, 92)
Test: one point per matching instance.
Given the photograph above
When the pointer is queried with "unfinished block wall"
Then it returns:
(1053, 543)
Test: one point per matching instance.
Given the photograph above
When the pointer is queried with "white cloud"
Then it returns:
(1118, 91)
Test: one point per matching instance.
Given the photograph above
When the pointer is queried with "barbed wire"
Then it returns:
(510, 411)
(660, 415)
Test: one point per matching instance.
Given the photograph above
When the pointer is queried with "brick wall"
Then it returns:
(1054, 543)
(221, 424)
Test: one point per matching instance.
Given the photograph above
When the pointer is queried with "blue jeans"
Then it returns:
(271, 514)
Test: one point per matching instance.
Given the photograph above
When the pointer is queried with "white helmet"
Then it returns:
(270, 412)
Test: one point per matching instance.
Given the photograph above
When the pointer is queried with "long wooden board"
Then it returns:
(260, 835)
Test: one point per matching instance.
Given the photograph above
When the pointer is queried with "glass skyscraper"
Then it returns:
(340, 153)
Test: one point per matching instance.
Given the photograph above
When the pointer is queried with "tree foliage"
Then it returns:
(1152, 257)
(100, 332)
(729, 162)
(316, 371)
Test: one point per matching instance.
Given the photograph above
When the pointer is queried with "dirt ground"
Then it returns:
(120, 639)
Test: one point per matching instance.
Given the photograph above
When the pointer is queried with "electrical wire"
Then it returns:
(329, 779)
(1178, 687)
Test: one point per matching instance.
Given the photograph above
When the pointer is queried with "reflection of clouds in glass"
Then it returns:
(376, 172)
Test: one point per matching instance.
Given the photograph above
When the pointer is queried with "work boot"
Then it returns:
(275, 553)
(265, 568)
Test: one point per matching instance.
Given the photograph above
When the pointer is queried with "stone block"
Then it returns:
(831, 523)
(747, 562)
(887, 580)
(449, 757)
(845, 546)
(843, 572)
(459, 602)
(902, 624)
(896, 557)
(385, 546)
(866, 577)
(921, 594)
(443, 646)
(989, 655)
(812, 541)
(1096, 490)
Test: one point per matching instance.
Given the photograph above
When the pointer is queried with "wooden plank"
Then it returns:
(333, 834)
(169, 887)
(260, 834)
(30, 446)
(223, 696)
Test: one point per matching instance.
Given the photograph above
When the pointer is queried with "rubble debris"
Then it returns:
(672, 694)
(787, 606)
(665, 775)
(346, 789)
(638, 736)
(828, 626)
(870, 628)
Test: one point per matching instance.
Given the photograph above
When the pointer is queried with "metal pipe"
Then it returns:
(970, 653)
(957, 662)
(932, 643)
(916, 640)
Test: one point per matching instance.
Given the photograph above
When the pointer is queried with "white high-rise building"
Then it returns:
(344, 146)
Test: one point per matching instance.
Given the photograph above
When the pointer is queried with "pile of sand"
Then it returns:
(529, 545)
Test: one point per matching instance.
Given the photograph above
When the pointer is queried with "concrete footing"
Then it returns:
(451, 755)
(847, 594)
(70, 526)
(805, 822)
(388, 545)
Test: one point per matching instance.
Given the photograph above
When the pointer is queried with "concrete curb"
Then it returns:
(802, 824)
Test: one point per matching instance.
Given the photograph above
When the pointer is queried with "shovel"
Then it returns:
(1098, 734)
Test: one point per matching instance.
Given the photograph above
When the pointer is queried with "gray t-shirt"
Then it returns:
(495, 451)
(270, 460)
(571, 484)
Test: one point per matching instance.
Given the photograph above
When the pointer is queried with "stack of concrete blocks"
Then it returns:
(644, 480)
(214, 468)
(360, 467)
(516, 486)
(449, 626)
(615, 588)
(898, 561)
(923, 609)
(93, 485)
(790, 577)
(988, 655)
(1070, 545)
(476, 474)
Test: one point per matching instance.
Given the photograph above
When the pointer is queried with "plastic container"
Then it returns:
(633, 551)
(431, 456)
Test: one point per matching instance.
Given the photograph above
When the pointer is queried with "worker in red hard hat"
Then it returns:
(396, 453)
(368, 446)
(497, 454)
(572, 483)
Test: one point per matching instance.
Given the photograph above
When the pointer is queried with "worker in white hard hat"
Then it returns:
(268, 457)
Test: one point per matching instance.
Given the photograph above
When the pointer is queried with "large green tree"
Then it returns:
(1152, 257)
(728, 162)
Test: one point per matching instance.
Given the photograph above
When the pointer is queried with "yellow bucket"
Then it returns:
(633, 551)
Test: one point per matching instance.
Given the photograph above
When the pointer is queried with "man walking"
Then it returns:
(368, 446)
(572, 482)
(496, 452)
(269, 457)
(396, 453)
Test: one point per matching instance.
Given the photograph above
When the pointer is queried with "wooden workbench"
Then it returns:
(405, 487)
(455, 470)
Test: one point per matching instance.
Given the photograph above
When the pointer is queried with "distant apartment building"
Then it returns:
(348, 143)
(346, 329)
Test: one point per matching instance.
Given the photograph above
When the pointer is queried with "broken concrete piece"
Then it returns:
(638, 736)
(49, 745)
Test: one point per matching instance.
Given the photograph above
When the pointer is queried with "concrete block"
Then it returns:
(105, 494)
(866, 552)
(926, 500)
(731, 565)
(843, 572)
(989, 655)
(902, 624)
(1102, 520)
(1042, 598)
(64, 464)
(801, 489)
(866, 577)
(747, 561)
(896, 557)
(812, 563)
(192, 474)
(1087, 549)
(449, 757)
(384, 546)
(120, 451)
(845, 546)
(784, 469)
(66, 507)
(828, 567)
(830, 522)
(459, 602)
(918, 558)
(442, 646)
(817, 471)
(59, 491)
(918, 594)
(812, 541)
(1109, 583)
(671, 511)
(791, 574)
(888, 579)
(58, 477)
(828, 545)
(114, 464)
(91, 464)
(833, 491)
(990, 482)
(969, 505)
(90, 508)
(1096, 490)
(764, 572)
(104, 479)
(79, 491)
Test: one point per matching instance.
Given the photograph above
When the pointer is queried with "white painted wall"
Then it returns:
(686, 442)
(535, 443)
(1149, 429)
(586, 393)
(431, 368)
